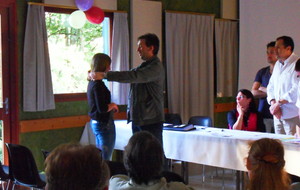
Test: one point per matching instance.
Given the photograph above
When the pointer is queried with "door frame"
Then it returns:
(11, 127)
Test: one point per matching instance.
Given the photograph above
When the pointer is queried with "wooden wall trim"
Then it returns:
(80, 121)
(59, 123)
(53, 123)
(224, 107)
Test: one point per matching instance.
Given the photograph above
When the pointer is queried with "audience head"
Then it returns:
(284, 47)
(271, 44)
(76, 167)
(150, 40)
(100, 63)
(265, 163)
(271, 52)
(246, 99)
(143, 158)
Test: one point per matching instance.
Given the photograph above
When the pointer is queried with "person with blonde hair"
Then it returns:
(101, 108)
(265, 164)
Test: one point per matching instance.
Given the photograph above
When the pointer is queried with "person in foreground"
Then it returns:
(143, 160)
(265, 164)
(76, 167)
(245, 116)
(101, 109)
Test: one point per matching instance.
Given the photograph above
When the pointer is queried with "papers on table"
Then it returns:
(292, 140)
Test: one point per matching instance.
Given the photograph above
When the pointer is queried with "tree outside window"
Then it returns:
(71, 51)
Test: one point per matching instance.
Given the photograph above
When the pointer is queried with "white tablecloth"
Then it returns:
(209, 146)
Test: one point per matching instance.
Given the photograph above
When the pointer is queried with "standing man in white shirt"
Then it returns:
(297, 69)
(282, 88)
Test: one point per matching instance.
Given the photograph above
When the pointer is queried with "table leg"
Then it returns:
(185, 171)
(203, 173)
(170, 164)
(243, 181)
(238, 180)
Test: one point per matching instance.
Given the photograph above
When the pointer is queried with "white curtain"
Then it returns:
(120, 56)
(226, 43)
(37, 83)
(190, 64)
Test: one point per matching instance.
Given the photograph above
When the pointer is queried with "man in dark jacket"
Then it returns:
(146, 100)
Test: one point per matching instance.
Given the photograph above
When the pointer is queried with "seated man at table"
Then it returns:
(143, 160)
(265, 164)
(245, 116)
(76, 167)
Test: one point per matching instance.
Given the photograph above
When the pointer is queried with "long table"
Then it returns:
(209, 146)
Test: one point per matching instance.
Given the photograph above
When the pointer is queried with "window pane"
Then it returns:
(71, 51)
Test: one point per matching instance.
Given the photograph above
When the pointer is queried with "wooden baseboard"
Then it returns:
(59, 123)
(80, 121)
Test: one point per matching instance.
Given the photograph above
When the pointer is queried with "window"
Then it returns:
(71, 51)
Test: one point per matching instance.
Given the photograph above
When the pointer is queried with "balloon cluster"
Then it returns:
(93, 14)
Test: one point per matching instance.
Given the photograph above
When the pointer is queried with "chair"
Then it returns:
(45, 153)
(4, 175)
(22, 167)
(173, 118)
(172, 176)
(202, 121)
(119, 168)
(116, 168)
(295, 186)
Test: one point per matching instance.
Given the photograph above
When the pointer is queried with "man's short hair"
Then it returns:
(143, 158)
(297, 66)
(287, 41)
(76, 167)
(151, 40)
(271, 44)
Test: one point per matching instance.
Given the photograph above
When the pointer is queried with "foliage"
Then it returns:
(71, 51)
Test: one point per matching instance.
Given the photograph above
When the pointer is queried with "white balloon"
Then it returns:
(77, 19)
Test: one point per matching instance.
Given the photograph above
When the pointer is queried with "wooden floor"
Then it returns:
(214, 178)
(214, 181)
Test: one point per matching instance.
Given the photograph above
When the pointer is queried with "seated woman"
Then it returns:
(265, 164)
(143, 160)
(245, 116)
(76, 167)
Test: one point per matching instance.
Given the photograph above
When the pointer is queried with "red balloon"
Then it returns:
(95, 15)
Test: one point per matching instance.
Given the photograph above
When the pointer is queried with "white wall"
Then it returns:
(146, 17)
(103, 4)
(262, 21)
